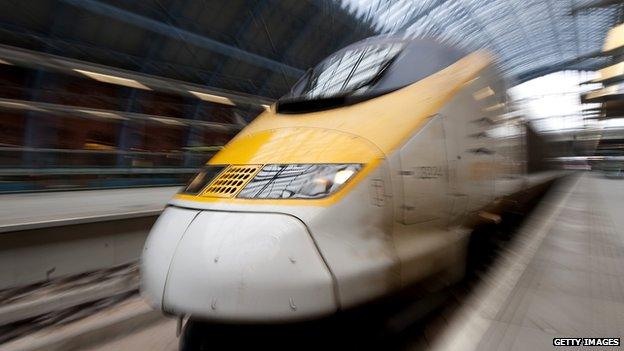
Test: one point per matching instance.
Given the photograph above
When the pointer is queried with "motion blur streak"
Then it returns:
(353, 174)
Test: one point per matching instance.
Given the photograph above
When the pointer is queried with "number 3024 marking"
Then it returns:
(428, 172)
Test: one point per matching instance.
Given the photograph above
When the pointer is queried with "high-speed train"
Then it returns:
(359, 182)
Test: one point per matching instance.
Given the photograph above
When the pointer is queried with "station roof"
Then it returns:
(261, 47)
(252, 47)
(531, 38)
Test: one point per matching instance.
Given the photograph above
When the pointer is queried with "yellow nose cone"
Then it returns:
(297, 145)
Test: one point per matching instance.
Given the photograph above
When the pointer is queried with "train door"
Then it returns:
(458, 197)
(424, 175)
(470, 150)
(420, 235)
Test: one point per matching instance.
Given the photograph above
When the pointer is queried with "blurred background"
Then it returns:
(118, 94)
(141, 93)
(100, 94)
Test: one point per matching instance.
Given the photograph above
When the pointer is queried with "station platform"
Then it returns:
(49, 209)
(564, 277)
(51, 235)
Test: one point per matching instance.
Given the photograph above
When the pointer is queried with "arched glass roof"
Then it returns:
(530, 37)
(262, 47)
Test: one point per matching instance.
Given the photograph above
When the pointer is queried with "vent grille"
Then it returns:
(231, 181)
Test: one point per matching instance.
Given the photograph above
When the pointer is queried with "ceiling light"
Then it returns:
(105, 78)
(213, 98)
(21, 106)
(103, 114)
(169, 121)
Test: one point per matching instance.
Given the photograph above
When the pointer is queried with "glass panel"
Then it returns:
(349, 70)
(298, 181)
(202, 179)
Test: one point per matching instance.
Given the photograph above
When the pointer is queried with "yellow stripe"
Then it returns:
(287, 202)
(297, 145)
(362, 133)
(386, 121)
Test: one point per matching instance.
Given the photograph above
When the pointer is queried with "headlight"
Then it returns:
(298, 181)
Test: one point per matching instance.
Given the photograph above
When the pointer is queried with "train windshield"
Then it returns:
(352, 71)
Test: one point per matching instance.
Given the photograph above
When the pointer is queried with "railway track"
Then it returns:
(61, 301)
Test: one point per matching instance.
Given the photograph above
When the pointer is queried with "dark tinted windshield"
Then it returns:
(348, 71)
(367, 69)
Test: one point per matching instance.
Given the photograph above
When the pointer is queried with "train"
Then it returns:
(362, 180)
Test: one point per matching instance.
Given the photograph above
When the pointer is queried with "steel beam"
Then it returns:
(176, 33)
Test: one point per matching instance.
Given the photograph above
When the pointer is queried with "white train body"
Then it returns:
(409, 167)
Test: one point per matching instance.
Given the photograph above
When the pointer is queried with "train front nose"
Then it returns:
(248, 266)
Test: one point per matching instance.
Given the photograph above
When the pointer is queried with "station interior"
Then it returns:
(112, 113)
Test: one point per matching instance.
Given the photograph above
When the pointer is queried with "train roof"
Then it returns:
(366, 69)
